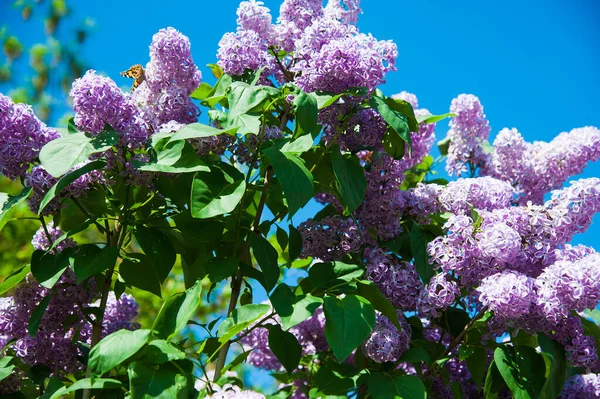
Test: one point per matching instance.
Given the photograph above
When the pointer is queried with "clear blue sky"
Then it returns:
(534, 64)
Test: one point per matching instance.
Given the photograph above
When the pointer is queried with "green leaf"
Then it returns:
(176, 311)
(291, 309)
(326, 99)
(325, 275)
(199, 130)
(37, 314)
(216, 192)
(433, 118)
(14, 279)
(6, 366)
(9, 203)
(393, 144)
(349, 321)
(160, 351)
(476, 363)
(389, 386)
(455, 320)
(443, 145)
(115, 349)
(419, 239)
(158, 248)
(47, 267)
(336, 379)
(299, 145)
(90, 260)
(175, 157)
(305, 112)
(240, 319)
(398, 122)
(285, 347)
(368, 290)
(296, 180)
(68, 179)
(138, 271)
(266, 257)
(556, 366)
(87, 383)
(245, 105)
(219, 269)
(350, 177)
(522, 369)
(493, 382)
(295, 243)
(164, 382)
(202, 91)
(61, 155)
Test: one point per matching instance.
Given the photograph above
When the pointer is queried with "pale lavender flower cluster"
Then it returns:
(345, 11)
(63, 322)
(437, 295)
(508, 294)
(398, 281)
(98, 101)
(22, 136)
(537, 168)
(171, 76)
(310, 335)
(40, 239)
(582, 386)
(252, 15)
(469, 130)
(295, 16)
(244, 50)
(386, 343)
(330, 239)
(229, 391)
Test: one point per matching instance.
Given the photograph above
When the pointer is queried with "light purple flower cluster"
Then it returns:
(345, 11)
(330, 239)
(171, 76)
(63, 322)
(229, 391)
(437, 295)
(40, 239)
(508, 294)
(244, 50)
(310, 334)
(582, 386)
(469, 130)
(295, 16)
(537, 168)
(22, 136)
(98, 101)
(386, 343)
(398, 281)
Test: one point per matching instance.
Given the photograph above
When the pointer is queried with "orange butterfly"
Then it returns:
(136, 72)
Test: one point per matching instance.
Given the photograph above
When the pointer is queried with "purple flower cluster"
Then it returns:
(437, 295)
(22, 136)
(582, 386)
(537, 168)
(386, 343)
(330, 239)
(508, 294)
(398, 281)
(171, 76)
(98, 101)
(345, 11)
(244, 50)
(469, 130)
(229, 391)
(310, 335)
(64, 321)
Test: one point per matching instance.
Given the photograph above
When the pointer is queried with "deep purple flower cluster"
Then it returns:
(469, 130)
(330, 239)
(582, 386)
(310, 335)
(171, 76)
(386, 343)
(398, 281)
(22, 136)
(537, 168)
(64, 321)
(98, 101)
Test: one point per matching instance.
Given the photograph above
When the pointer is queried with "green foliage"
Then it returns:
(115, 348)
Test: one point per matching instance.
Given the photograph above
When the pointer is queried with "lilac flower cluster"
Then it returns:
(330, 239)
(310, 335)
(437, 295)
(98, 101)
(229, 391)
(64, 321)
(582, 386)
(386, 343)
(469, 130)
(171, 76)
(398, 281)
(537, 168)
(508, 294)
(22, 136)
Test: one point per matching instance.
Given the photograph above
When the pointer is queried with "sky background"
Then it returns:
(534, 64)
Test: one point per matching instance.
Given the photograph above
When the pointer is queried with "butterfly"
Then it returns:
(136, 72)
